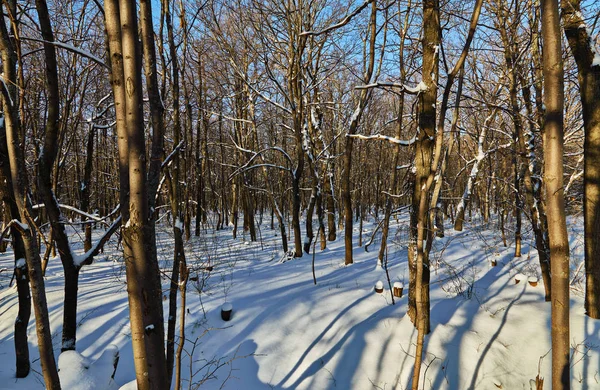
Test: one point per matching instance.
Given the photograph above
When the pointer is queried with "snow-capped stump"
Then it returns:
(533, 281)
(398, 288)
(493, 262)
(226, 310)
(519, 278)
(77, 372)
(379, 287)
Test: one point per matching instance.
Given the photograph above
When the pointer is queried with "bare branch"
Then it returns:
(342, 23)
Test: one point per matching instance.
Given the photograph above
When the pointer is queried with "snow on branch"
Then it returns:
(74, 209)
(88, 257)
(421, 87)
(172, 155)
(382, 137)
(20, 226)
(481, 155)
(71, 48)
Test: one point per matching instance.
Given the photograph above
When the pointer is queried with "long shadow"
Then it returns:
(594, 332)
(272, 303)
(260, 304)
(494, 337)
(349, 361)
(453, 358)
(320, 337)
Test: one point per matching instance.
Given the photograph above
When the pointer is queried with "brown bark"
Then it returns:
(20, 188)
(84, 187)
(139, 246)
(46, 163)
(555, 203)
(363, 99)
(175, 194)
(424, 162)
(589, 87)
(21, 275)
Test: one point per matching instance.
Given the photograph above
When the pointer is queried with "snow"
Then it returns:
(20, 263)
(178, 224)
(227, 306)
(338, 334)
(22, 226)
(398, 285)
(379, 285)
(149, 328)
(422, 87)
(78, 373)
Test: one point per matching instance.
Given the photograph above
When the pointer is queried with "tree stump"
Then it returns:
(226, 311)
(533, 281)
(398, 288)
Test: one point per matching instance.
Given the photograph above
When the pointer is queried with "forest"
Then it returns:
(300, 194)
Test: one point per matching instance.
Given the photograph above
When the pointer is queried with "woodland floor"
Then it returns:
(287, 333)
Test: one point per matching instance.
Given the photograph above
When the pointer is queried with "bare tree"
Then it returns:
(589, 86)
(555, 202)
(139, 245)
(21, 189)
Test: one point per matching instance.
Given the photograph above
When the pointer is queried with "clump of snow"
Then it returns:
(227, 306)
(76, 372)
(179, 224)
(379, 285)
(149, 327)
(532, 279)
(520, 277)
(20, 263)
(129, 386)
(398, 285)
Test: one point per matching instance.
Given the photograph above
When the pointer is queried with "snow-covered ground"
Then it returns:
(287, 333)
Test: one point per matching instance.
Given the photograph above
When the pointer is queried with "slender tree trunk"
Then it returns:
(354, 122)
(533, 186)
(589, 87)
(46, 164)
(175, 192)
(555, 203)
(419, 266)
(21, 275)
(143, 277)
(20, 188)
(84, 188)
(394, 181)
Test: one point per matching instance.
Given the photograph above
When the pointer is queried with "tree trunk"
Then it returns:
(46, 164)
(143, 277)
(555, 203)
(364, 97)
(419, 307)
(21, 275)
(589, 87)
(20, 188)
